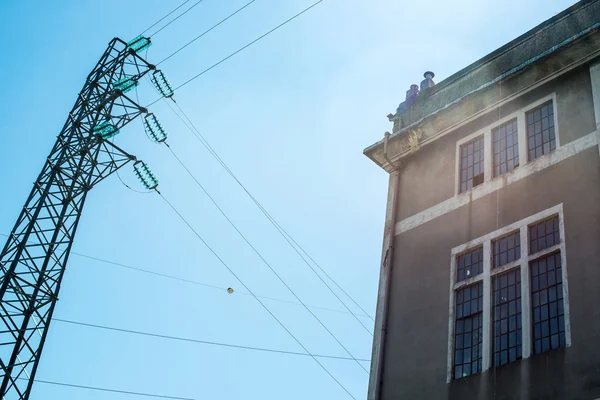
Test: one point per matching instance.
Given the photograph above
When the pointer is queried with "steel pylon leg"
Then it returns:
(33, 260)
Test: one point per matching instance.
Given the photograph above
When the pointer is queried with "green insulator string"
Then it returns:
(106, 130)
(146, 177)
(154, 129)
(125, 84)
(162, 84)
(140, 43)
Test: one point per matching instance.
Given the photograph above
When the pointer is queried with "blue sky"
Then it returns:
(290, 116)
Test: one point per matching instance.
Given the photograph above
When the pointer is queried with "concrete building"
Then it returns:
(490, 273)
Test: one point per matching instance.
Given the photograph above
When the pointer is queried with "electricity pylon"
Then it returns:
(32, 262)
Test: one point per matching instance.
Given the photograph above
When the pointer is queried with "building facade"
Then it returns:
(490, 273)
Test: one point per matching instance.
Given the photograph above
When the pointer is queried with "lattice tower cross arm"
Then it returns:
(32, 262)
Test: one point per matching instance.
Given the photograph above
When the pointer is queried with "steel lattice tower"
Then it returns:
(33, 260)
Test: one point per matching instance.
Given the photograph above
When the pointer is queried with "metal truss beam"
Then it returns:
(33, 260)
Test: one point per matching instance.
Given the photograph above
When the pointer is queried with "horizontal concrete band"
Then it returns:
(562, 153)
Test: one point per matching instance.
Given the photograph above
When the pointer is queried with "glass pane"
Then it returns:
(506, 249)
(472, 164)
(547, 304)
(507, 309)
(469, 264)
(540, 130)
(544, 234)
(468, 331)
(506, 147)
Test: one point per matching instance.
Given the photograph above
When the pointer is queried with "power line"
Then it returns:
(173, 397)
(250, 44)
(147, 271)
(320, 268)
(252, 293)
(176, 18)
(282, 231)
(277, 226)
(162, 275)
(243, 48)
(177, 278)
(160, 20)
(129, 187)
(182, 339)
(205, 32)
(263, 259)
(101, 389)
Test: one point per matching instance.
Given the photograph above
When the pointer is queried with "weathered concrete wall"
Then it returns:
(415, 362)
(575, 103)
(506, 58)
(580, 52)
(429, 174)
(432, 220)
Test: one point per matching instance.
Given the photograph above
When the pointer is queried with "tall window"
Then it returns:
(541, 136)
(508, 295)
(507, 317)
(506, 147)
(469, 322)
(471, 164)
(468, 333)
(546, 287)
(547, 304)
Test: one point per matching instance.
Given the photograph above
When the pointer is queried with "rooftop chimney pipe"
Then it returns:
(428, 81)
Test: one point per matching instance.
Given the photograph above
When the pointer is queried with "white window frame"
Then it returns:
(488, 157)
(486, 278)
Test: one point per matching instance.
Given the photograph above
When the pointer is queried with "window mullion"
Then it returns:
(525, 294)
(487, 296)
(522, 134)
(488, 157)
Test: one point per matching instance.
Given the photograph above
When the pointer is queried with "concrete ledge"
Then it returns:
(498, 183)
(572, 37)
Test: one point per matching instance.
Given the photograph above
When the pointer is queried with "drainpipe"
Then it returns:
(385, 278)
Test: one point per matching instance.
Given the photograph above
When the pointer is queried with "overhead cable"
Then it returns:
(176, 18)
(182, 339)
(242, 48)
(249, 44)
(205, 32)
(160, 20)
(264, 260)
(252, 293)
(103, 389)
(293, 243)
(194, 282)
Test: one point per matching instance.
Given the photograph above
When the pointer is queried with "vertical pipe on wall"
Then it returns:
(385, 277)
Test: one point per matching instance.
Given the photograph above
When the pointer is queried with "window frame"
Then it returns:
(469, 251)
(555, 126)
(517, 299)
(483, 161)
(493, 131)
(463, 319)
(493, 252)
(487, 133)
(521, 264)
(541, 307)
